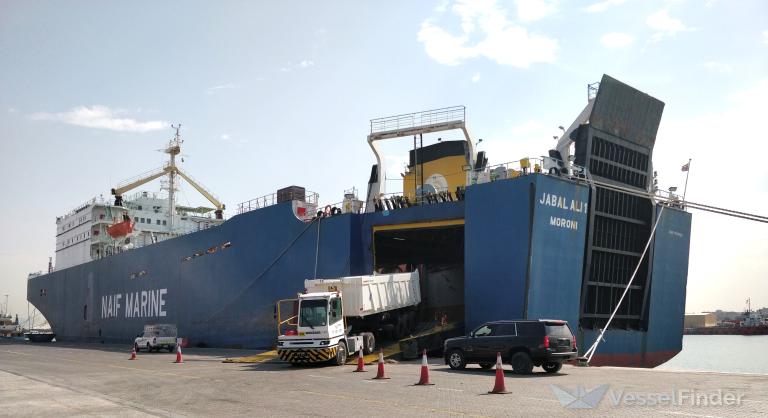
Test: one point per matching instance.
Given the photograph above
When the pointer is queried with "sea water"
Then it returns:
(722, 353)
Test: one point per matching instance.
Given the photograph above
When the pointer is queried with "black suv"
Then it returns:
(522, 343)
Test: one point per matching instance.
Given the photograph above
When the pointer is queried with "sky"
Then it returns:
(271, 94)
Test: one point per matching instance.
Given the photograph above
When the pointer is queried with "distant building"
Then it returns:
(700, 320)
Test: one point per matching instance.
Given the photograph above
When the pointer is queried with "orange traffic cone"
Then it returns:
(498, 386)
(424, 380)
(133, 353)
(178, 355)
(380, 373)
(360, 362)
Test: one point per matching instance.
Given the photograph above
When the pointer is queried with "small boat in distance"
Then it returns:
(40, 336)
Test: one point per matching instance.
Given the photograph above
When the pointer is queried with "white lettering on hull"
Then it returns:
(572, 205)
(561, 202)
(140, 304)
(110, 305)
(563, 223)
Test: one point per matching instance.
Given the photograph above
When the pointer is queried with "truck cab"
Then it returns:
(320, 333)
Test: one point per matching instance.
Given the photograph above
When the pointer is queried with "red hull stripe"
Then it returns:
(647, 360)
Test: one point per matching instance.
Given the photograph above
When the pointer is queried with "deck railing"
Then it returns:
(271, 199)
(419, 119)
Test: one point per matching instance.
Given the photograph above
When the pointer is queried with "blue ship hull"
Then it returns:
(522, 240)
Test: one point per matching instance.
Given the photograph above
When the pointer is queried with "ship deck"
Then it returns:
(97, 379)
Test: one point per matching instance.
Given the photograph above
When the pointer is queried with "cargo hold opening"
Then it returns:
(439, 253)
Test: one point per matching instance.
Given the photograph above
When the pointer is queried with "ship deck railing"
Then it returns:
(96, 200)
(271, 199)
(419, 122)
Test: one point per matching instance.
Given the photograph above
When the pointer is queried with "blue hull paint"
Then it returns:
(524, 244)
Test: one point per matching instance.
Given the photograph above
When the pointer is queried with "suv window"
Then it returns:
(560, 331)
(484, 331)
(529, 329)
(506, 329)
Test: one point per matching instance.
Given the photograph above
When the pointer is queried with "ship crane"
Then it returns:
(170, 169)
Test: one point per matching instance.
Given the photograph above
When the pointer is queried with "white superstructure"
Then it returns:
(81, 235)
(142, 219)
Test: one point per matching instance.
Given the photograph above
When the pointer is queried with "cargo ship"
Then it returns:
(556, 236)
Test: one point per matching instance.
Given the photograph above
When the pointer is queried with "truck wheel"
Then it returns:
(552, 366)
(369, 343)
(456, 359)
(521, 363)
(136, 347)
(341, 354)
(170, 348)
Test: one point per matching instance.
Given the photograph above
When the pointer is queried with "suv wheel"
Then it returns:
(149, 348)
(552, 366)
(486, 366)
(136, 347)
(341, 354)
(521, 363)
(456, 359)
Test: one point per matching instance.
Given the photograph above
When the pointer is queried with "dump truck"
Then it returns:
(336, 318)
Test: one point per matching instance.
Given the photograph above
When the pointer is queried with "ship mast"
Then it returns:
(171, 170)
(173, 149)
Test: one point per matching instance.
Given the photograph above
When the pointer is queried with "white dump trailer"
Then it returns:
(338, 317)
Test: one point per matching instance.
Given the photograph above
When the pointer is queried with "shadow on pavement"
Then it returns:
(219, 353)
(507, 373)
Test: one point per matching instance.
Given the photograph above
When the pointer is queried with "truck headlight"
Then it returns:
(324, 342)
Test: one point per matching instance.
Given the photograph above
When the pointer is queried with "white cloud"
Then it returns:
(476, 77)
(502, 41)
(306, 63)
(214, 89)
(224, 137)
(101, 117)
(531, 10)
(765, 37)
(616, 39)
(719, 67)
(603, 6)
(664, 25)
